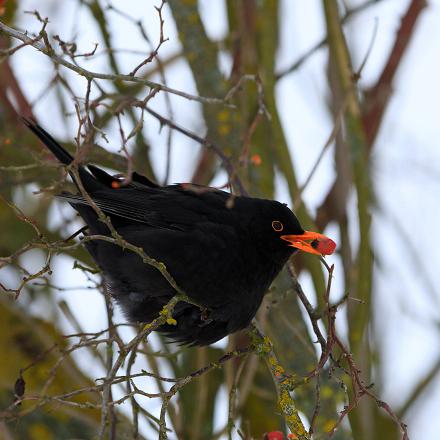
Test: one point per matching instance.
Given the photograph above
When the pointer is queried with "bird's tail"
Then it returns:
(88, 180)
(59, 152)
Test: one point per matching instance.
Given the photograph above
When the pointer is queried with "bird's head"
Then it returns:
(279, 231)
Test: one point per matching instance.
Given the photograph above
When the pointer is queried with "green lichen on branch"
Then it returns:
(283, 382)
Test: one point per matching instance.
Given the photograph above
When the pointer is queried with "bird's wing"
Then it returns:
(128, 207)
(169, 207)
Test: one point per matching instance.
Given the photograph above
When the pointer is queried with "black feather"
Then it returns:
(89, 182)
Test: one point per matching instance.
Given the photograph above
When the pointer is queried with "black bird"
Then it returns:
(223, 252)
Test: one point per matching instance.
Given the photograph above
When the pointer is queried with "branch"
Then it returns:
(299, 62)
(378, 97)
(376, 101)
(283, 383)
(48, 50)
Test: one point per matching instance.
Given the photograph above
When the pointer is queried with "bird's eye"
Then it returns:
(277, 226)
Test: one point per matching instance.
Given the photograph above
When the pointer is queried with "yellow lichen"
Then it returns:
(291, 416)
(328, 426)
(171, 321)
(193, 18)
(224, 129)
(223, 115)
(147, 326)
(326, 392)
(39, 431)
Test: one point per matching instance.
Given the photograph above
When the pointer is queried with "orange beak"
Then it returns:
(311, 242)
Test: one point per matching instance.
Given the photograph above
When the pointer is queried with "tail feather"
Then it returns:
(59, 152)
(96, 178)
(88, 180)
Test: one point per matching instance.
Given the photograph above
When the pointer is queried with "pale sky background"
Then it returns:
(405, 163)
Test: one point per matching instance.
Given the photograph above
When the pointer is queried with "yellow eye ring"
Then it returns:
(277, 226)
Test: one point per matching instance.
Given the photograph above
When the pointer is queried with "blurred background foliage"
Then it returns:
(248, 128)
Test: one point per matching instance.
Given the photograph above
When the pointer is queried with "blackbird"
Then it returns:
(223, 251)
